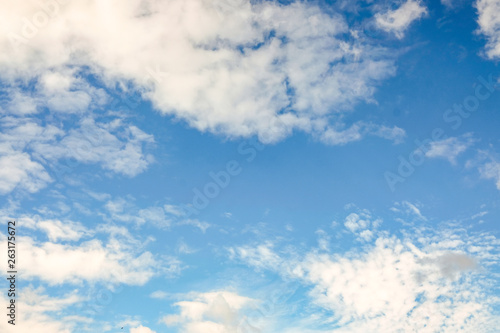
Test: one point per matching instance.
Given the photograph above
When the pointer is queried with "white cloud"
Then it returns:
(124, 210)
(397, 21)
(28, 149)
(250, 69)
(99, 142)
(37, 312)
(426, 280)
(62, 91)
(18, 170)
(356, 132)
(491, 170)
(118, 260)
(159, 294)
(353, 222)
(408, 208)
(489, 25)
(56, 230)
(362, 225)
(141, 329)
(214, 312)
(260, 256)
(450, 148)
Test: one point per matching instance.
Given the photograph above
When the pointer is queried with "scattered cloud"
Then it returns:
(428, 277)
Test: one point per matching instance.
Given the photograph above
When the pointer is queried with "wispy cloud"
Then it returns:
(450, 148)
(397, 21)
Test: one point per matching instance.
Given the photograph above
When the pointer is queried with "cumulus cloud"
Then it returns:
(397, 21)
(489, 25)
(214, 312)
(141, 329)
(239, 69)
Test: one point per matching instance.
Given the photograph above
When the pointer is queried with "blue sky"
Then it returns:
(235, 166)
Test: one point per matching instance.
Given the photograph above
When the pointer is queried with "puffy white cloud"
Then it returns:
(239, 69)
(398, 20)
(141, 329)
(450, 148)
(214, 312)
(489, 25)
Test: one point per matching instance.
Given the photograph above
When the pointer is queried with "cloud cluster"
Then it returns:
(362, 224)
(425, 281)
(237, 68)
